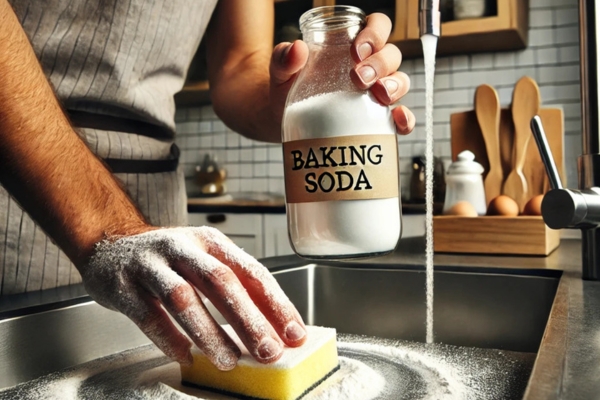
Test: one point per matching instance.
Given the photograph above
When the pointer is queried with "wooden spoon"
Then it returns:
(525, 104)
(487, 109)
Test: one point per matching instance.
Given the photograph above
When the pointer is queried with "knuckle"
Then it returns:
(180, 298)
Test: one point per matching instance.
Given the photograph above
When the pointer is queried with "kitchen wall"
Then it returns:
(552, 59)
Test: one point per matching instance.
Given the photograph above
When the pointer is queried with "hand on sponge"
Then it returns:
(294, 374)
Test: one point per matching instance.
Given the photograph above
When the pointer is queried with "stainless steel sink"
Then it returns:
(484, 308)
(492, 308)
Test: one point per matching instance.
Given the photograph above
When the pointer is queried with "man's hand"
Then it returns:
(376, 69)
(166, 267)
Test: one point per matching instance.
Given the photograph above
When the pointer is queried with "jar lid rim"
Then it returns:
(331, 17)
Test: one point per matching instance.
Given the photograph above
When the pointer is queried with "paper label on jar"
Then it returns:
(356, 167)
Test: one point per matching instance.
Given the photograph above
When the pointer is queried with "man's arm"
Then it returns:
(141, 270)
(44, 164)
(249, 80)
(239, 46)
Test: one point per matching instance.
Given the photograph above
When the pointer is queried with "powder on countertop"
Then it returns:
(405, 370)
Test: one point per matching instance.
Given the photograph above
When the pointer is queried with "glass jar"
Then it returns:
(340, 149)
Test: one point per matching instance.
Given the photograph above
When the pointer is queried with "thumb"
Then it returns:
(287, 60)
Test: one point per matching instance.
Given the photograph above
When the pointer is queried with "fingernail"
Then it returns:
(391, 87)
(227, 361)
(294, 331)
(269, 348)
(367, 74)
(364, 51)
(403, 124)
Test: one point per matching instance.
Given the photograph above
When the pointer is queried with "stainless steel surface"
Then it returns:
(429, 17)
(546, 154)
(496, 310)
(567, 364)
(580, 209)
(36, 344)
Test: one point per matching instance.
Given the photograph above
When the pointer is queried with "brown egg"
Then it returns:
(503, 205)
(534, 205)
(462, 209)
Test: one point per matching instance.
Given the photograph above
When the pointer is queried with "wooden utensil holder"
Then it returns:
(522, 235)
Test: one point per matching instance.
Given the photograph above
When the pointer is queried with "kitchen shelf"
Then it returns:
(505, 31)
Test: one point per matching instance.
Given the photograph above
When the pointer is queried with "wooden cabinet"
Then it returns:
(505, 29)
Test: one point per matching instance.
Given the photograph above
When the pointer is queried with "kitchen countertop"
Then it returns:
(568, 361)
(264, 203)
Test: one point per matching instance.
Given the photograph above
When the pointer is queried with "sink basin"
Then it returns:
(499, 309)
(479, 308)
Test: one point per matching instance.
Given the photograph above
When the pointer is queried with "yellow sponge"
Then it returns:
(294, 374)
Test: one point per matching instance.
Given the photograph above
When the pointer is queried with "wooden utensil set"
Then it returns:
(501, 141)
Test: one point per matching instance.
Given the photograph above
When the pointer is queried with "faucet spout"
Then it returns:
(429, 17)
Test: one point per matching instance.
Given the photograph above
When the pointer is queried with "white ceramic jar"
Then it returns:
(465, 183)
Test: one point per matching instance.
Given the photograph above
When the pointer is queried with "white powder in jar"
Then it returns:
(348, 227)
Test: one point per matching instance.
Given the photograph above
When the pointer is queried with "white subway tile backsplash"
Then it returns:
(275, 153)
(568, 16)
(246, 170)
(206, 141)
(275, 170)
(552, 58)
(233, 185)
(219, 139)
(233, 155)
(276, 185)
(540, 18)
(547, 55)
(441, 131)
(561, 74)
(246, 155)
(482, 61)
(541, 37)
(233, 139)
(233, 170)
(206, 112)
(442, 81)
(568, 54)
(260, 154)
(260, 169)
(204, 127)
(451, 97)
(525, 58)
(460, 63)
(567, 35)
(504, 60)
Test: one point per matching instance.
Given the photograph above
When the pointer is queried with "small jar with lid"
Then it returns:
(340, 149)
(465, 183)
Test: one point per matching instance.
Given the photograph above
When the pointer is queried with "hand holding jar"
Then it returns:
(339, 136)
(376, 68)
